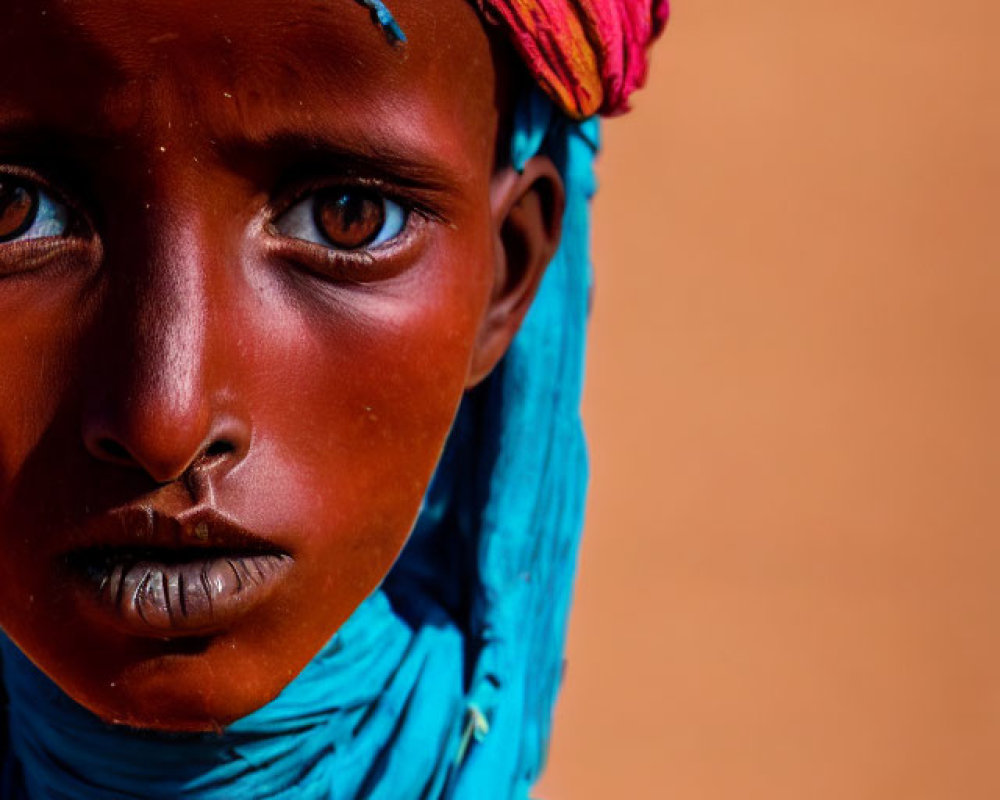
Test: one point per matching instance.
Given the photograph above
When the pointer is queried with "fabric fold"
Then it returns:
(588, 55)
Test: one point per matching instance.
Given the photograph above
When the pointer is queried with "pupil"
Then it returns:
(350, 219)
(18, 206)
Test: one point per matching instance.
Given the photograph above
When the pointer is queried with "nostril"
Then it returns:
(165, 450)
(114, 450)
(219, 448)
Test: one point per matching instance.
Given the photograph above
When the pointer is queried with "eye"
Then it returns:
(29, 212)
(344, 218)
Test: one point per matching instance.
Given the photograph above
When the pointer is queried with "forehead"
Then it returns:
(249, 69)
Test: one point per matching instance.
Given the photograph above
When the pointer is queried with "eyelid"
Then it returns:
(411, 196)
(355, 267)
(30, 175)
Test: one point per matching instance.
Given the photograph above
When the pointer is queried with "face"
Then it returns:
(250, 259)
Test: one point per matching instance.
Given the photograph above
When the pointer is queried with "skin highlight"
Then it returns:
(190, 375)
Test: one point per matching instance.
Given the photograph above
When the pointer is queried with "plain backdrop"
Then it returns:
(790, 580)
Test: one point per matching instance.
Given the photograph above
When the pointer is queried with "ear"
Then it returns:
(527, 211)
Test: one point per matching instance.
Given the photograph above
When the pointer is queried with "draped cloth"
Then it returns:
(588, 55)
(442, 683)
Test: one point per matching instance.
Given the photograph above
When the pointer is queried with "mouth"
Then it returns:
(170, 586)
(163, 593)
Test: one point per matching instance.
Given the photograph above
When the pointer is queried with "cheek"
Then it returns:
(356, 390)
(39, 336)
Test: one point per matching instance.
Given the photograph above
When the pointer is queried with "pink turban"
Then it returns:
(589, 55)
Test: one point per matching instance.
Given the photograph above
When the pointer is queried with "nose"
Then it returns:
(144, 440)
(160, 397)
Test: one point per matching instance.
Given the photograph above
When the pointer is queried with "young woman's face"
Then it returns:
(247, 249)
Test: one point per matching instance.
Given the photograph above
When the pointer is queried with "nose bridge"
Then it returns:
(169, 344)
(154, 404)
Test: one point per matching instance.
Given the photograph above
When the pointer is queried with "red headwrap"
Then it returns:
(589, 55)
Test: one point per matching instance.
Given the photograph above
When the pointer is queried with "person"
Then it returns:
(265, 279)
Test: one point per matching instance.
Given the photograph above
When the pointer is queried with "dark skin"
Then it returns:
(251, 258)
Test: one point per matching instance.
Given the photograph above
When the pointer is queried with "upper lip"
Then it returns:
(144, 527)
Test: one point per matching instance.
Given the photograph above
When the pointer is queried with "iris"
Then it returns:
(344, 218)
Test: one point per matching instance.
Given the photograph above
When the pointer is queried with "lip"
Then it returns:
(150, 574)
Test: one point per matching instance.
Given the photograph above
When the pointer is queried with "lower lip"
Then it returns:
(149, 597)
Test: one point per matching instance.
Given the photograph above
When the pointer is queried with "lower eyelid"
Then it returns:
(361, 266)
(26, 257)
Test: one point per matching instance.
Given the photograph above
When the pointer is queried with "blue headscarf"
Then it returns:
(442, 683)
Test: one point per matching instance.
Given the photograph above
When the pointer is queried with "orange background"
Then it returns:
(790, 581)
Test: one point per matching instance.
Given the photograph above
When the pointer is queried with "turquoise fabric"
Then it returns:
(442, 683)
(384, 19)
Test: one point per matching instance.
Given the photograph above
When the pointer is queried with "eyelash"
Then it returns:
(385, 254)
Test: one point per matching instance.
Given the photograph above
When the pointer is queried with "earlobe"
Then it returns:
(527, 211)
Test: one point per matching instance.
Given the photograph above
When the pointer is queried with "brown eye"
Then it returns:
(18, 208)
(344, 218)
(349, 218)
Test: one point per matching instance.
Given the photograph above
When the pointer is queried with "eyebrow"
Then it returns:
(382, 156)
(377, 156)
(38, 139)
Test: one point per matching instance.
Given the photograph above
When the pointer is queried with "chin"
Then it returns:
(185, 685)
(183, 694)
